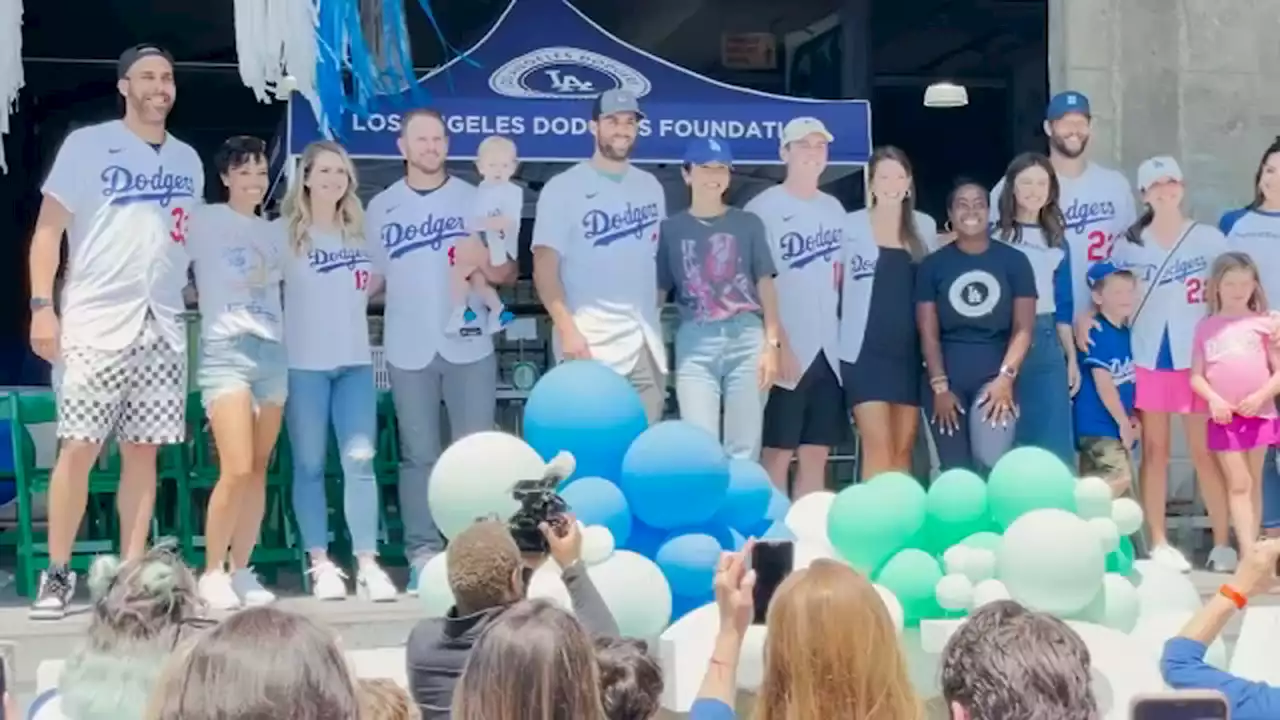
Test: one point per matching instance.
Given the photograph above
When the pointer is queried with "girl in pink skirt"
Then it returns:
(1235, 369)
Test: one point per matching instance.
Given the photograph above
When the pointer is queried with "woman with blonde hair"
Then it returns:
(831, 650)
(262, 662)
(327, 280)
(140, 610)
(535, 662)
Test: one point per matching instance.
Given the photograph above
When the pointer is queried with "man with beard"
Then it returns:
(417, 227)
(594, 244)
(122, 192)
(1097, 202)
(805, 414)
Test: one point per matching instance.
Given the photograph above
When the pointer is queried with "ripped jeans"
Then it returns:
(347, 398)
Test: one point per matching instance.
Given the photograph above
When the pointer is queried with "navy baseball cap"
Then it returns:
(708, 151)
(1067, 102)
(616, 101)
(1101, 271)
(130, 57)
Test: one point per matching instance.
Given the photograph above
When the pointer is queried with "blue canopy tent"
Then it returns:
(533, 78)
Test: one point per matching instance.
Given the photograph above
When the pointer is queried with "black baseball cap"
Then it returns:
(130, 57)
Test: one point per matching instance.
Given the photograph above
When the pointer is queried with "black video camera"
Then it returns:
(540, 503)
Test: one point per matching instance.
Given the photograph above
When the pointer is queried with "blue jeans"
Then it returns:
(1270, 491)
(243, 362)
(347, 398)
(716, 362)
(1044, 397)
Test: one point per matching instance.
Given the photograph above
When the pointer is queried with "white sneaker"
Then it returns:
(246, 584)
(1170, 557)
(373, 584)
(1223, 559)
(457, 319)
(217, 592)
(328, 582)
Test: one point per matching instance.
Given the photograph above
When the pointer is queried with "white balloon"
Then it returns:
(989, 591)
(1107, 532)
(808, 550)
(979, 565)
(1093, 498)
(434, 592)
(1127, 514)
(597, 544)
(956, 558)
(1051, 561)
(807, 518)
(1162, 590)
(893, 605)
(474, 477)
(954, 592)
(635, 591)
(547, 584)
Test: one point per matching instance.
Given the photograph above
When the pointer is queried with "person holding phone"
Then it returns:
(976, 308)
(1183, 665)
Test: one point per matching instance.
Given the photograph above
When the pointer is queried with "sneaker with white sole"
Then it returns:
(249, 588)
(1223, 559)
(1170, 557)
(328, 582)
(216, 591)
(57, 587)
(373, 584)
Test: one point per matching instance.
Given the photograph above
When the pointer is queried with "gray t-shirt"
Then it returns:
(713, 263)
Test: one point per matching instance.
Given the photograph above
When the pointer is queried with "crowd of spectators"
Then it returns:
(831, 650)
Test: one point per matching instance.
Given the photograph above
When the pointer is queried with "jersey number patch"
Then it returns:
(1196, 291)
(179, 232)
(1098, 250)
(362, 279)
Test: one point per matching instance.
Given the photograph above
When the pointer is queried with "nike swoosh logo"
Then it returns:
(113, 151)
(392, 208)
(787, 218)
(591, 196)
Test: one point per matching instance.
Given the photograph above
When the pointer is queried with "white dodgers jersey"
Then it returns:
(605, 231)
(805, 236)
(1257, 233)
(130, 203)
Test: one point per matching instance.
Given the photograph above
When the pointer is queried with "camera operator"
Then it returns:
(487, 574)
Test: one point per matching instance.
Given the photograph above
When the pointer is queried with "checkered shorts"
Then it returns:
(139, 393)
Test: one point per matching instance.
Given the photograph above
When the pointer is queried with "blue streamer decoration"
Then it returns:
(444, 43)
(399, 79)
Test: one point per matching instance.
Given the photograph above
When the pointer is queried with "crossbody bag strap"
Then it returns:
(1151, 286)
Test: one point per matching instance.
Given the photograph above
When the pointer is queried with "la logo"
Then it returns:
(567, 83)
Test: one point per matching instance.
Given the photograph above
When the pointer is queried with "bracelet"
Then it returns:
(1235, 596)
(939, 380)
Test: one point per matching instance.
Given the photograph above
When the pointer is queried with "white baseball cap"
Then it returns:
(1161, 168)
(801, 127)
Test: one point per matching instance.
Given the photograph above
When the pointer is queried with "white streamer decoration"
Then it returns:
(276, 46)
(11, 77)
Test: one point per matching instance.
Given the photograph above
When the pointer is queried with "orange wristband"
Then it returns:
(1234, 596)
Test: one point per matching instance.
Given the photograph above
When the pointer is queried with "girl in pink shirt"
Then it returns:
(1235, 368)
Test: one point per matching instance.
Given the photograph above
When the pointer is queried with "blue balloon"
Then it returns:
(723, 535)
(683, 605)
(675, 475)
(778, 531)
(739, 540)
(644, 540)
(779, 504)
(747, 500)
(689, 562)
(587, 409)
(596, 501)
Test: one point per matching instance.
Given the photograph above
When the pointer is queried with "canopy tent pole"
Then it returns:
(11, 75)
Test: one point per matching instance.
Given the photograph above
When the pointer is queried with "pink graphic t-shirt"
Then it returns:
(1234, 353)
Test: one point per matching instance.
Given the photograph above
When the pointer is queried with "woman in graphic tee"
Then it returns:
(976, 306)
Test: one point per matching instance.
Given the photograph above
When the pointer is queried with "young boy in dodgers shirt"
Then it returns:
(1106, 425)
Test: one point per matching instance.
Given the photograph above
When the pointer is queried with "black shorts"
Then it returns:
(880, 378)
(812, 414)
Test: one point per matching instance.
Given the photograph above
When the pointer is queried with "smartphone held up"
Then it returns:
(772, 561)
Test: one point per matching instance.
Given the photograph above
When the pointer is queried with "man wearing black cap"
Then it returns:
(594, 242)
(122, 192)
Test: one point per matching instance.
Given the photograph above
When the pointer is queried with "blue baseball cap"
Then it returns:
(1067, 102)
(708, 151)
(1099, 272)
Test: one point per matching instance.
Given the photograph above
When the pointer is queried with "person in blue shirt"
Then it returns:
(1106, 426)
(1183, 665)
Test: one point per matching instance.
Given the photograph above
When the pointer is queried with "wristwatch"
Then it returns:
(40, 303)
(1009, 371)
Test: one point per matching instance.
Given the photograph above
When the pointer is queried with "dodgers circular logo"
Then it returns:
(566, 73)
(974, 294)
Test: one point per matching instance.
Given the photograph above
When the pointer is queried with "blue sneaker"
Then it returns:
(415, 572)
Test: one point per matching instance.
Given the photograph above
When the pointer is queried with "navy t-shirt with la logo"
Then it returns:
(974, 293)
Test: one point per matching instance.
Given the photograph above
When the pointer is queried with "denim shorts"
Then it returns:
(243, 362)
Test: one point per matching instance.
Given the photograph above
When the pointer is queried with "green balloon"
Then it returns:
(985, 540)
(955, 508)
(912, 576)
(871, 521)
(1029, 478)
(1121, 559)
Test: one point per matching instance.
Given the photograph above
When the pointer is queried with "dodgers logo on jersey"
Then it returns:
(1122, 371)
(399, 238)
(799, 250)
(566, 73)
(1080, 215)
(326, 261)
(122, 186)
(601, 228)
(1179, 270)
(861, 268)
